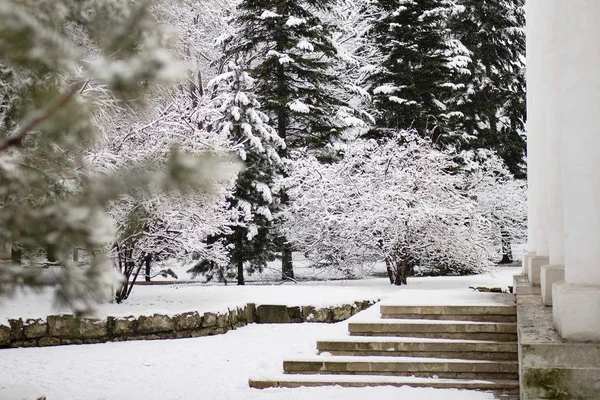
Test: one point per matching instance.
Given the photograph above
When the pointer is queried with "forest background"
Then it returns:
(226, 135)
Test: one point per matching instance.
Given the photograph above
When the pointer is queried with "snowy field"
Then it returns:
(176, 298)
(218, 367)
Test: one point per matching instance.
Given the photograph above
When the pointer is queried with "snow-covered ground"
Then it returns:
(212, 368)
(218, 367)
(177, 298)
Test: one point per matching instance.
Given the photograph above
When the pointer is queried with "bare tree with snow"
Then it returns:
(396, 200)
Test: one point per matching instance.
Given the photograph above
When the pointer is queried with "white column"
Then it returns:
(552, 272)
(536, 152)
(577, 300)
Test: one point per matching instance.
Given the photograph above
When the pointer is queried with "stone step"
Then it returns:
(457, 313)
(449, 310)
(404, 366)
(497, 331)
(419, 347)
(294, 381)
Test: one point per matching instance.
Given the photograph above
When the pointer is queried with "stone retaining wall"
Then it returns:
(66, 329)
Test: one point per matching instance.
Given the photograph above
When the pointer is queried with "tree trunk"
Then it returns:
(148, 272)
(507, 256)
(130, 270)
(397, 271)
(287, 267)
(51, 255)
(240, 272)
(390, 269)
(16, 253)
(397, 277)
(403, 272)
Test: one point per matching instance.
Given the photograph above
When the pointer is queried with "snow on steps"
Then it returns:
(294, 381)
(403, 366)
(445, 329)
(498, 313)
(419, 347)
(457, 347)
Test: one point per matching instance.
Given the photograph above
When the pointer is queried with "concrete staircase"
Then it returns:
(463, 347)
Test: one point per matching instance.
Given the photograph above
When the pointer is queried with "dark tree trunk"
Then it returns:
(51, 254)
(403, 273)
(507, 256)
(397, 271)
(397, 277)
(400, 275)
(240, 273)
(390, 269)
(16, 253)
(287, 267)
(240, 261)
(130, 270)
(147, 272)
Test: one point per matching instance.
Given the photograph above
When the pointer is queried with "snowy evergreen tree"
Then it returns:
(494, 100)
(289, 52)
(62, 64)
(250, 243)
(417, 83)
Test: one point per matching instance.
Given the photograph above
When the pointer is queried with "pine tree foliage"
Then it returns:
(289, 52)
(417, 82)
(493, 103)
(63, 63)
(353, 52)
(250, 241)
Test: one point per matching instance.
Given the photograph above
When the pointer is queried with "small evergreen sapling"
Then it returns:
(250, 243)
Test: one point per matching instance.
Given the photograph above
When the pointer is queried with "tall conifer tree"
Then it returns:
(417, 83)
(494, 102)
(289, 52)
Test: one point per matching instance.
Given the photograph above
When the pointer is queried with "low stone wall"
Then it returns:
(66, 329)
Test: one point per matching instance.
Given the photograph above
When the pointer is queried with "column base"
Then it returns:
(549, 275)
(575, 311)
(525, 262)
(534, 268)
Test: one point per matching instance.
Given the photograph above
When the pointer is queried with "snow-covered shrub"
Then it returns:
(397, 200)
(155, 226)
(499, 197)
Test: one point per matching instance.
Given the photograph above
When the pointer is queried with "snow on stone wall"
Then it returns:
(67, 329)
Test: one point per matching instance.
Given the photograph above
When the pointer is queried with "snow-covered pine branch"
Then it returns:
(65, 66)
